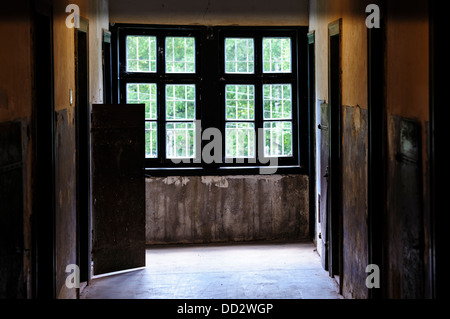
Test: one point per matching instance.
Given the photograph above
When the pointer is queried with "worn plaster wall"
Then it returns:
(211, 209)
(353, 130)
(407, 103)
(16, 106)
(406, 100)
(96, 12)
(354, 201)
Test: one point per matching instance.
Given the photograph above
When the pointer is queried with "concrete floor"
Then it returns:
(244, 271)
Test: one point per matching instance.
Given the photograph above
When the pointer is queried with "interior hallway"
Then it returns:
(245, 271)
(359, 140)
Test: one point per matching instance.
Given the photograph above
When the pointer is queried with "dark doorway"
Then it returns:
(334, 178)
(376, 153)
(107, 68)
(43, 218)
(437, 237)
(82, 124)
(312, 132)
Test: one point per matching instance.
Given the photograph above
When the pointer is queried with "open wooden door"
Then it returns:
(118, 187)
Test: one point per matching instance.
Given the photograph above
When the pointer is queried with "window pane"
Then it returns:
(277, 139)
(277, 101)
(180, 55)
(180, 140)
(151, 140)
(240, 102)
(240, 140)
(180, 102)
(277, 55)
(141, 54)
(239, 55)
(146, 94)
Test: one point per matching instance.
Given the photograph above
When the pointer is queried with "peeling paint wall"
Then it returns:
(65, 185)
(406, 98)
(404, 216)
(354, 129)
(354, 201)
(96, 12)
(211, 209)
(16, 106)
(407, 101)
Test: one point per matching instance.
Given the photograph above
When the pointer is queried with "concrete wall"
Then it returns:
(212, 209)
(210, 12)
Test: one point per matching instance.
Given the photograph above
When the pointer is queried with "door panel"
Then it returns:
(324, 169)
(118, 187)
(11, 212)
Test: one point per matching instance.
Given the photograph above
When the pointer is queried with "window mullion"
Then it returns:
(161, 122)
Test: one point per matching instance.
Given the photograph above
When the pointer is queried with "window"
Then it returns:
(277, 104)
(240, 121)
(247, 83)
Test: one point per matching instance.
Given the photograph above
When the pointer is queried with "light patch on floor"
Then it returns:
(247, 271)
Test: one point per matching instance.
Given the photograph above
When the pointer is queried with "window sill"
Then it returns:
(221, 171)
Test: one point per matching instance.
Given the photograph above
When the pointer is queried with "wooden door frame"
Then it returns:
(44, 210)
(83, 174)
(334, 214)
(312, 133)
(376, 148)
(437, 277)
(107, 67)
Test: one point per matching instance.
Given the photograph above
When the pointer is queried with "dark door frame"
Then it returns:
(312, 132)
(437, 233)
(83, 145)
(334, 214)
(376, 147)
(107, 67)
(43, 121)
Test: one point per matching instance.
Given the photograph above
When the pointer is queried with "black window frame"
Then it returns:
(210, 92)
